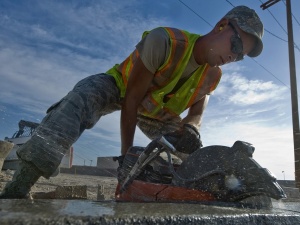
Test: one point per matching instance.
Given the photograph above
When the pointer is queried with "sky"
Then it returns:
(46, 47)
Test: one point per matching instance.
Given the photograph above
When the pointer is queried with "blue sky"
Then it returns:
(48, 46)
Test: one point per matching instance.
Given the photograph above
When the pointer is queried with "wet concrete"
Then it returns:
(109, 212)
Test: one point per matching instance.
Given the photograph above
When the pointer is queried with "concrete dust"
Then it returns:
(106, 185)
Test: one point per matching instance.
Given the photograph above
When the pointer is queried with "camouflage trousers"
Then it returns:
(90, 99)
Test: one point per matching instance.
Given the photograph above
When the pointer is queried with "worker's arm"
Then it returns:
(195, 113)
(187, 139)
(137, 86)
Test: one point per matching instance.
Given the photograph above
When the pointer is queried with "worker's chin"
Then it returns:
(213, 64)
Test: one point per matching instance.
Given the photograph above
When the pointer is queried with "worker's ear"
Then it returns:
(221, 25)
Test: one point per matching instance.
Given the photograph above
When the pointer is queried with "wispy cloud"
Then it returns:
(43, 54)
(254, 111)
(43, 57)
(245, 92)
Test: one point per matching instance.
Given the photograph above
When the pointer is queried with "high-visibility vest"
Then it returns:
(154, 103)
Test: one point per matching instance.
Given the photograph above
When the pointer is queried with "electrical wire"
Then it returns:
(292, 14)
(275, 19)
(295, 45)
(230, 3)
(271, 73)
(195, 13)
(276, 36)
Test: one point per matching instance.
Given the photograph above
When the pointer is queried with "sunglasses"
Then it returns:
(236, 44)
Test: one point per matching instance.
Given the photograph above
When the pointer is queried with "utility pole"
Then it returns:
(294, 95)
(293, 83)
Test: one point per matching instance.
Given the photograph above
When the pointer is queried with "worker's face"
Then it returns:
(229, 44)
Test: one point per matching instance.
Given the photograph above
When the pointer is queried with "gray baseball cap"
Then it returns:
(248, 21)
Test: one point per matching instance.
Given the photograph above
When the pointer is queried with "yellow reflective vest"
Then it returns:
(161, 102)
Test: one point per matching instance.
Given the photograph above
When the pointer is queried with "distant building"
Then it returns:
(106, 167)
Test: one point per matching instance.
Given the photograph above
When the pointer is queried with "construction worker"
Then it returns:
(170, 71)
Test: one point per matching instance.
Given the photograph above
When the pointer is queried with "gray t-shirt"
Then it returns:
(154, 50)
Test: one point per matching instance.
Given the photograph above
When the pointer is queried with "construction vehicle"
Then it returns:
(22, 135)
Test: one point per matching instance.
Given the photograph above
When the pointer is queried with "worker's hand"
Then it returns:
(185, 140)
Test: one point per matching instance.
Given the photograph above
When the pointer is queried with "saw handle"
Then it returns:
(166, 144)
(145, 158)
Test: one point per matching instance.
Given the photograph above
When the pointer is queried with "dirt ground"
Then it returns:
(105, 186)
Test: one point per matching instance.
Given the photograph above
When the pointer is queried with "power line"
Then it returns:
(275, 19)
(90, 148)
(270, 73)
(295, 45)
(292, 14)
(230, 3)
(76, 154)
(276, 35)
(195, 13)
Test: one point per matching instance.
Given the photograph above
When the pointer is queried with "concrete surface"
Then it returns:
(63, 192)
(39, 212)
(292, 192)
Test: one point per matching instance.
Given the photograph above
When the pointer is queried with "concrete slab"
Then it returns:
(109, 212)
(63, 192)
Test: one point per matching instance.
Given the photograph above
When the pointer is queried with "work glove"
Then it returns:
(185, 140)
